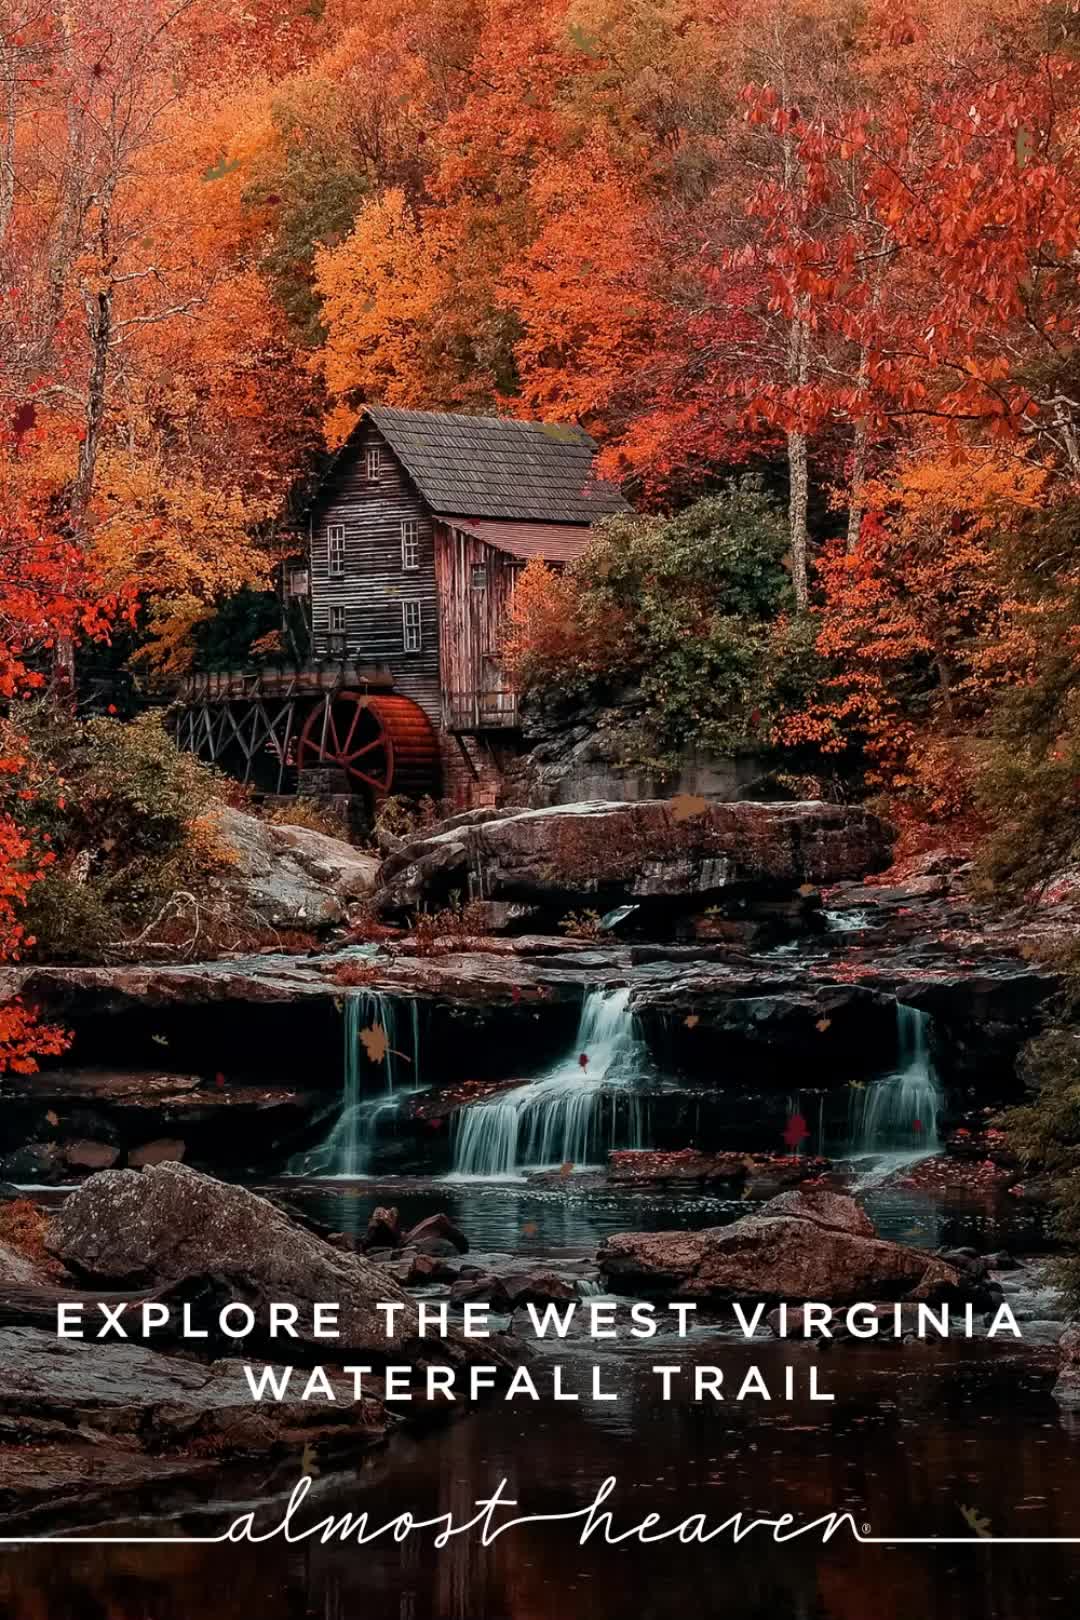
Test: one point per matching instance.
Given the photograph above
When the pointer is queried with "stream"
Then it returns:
(921, 1440)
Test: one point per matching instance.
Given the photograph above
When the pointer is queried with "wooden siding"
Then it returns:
(476, 694)
(374, 583)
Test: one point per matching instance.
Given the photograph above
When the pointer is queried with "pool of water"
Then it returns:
(920, 1442)
(576, 1215)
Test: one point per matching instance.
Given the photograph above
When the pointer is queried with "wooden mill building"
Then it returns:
(416, 537)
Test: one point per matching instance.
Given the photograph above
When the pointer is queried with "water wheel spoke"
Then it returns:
(358, 709)
(380, 783)
(377, 742)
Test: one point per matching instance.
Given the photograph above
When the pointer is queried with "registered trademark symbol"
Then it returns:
(865, 1529)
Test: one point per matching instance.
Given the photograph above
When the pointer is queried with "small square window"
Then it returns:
(297, 584)
(410, 543)
(478, 578)
(372, 463)
(335, 549)
(410, 626)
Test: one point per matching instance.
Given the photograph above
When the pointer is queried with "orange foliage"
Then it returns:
(546, 634)
(918, 623)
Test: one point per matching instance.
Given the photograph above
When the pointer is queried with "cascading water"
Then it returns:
(896, 1120)
(346, 1151)
(576, 1114)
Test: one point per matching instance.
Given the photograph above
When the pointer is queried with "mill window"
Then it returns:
(410, 626)
(410, 543)
(336, 629)
(372, 463)
(335, 549)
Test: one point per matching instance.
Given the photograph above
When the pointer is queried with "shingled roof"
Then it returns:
(498, 467)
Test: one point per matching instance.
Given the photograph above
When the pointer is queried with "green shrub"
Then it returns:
(125, 815)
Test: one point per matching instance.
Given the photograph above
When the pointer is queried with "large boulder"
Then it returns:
(604, 852)
(291, 877)
(799, 1246)
(170, 1225)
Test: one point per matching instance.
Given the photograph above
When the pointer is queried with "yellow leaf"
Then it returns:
(686, 805)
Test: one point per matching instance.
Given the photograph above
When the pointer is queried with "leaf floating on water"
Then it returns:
(692, 1020)
(823, 1024)
(978, 1522)
(684, 806)
(374, 1042)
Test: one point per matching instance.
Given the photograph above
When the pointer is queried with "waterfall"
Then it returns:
(896, 1118)
(346, 1151)
(576, 1114)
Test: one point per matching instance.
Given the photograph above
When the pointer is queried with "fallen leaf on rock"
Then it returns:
(566, 1169)
(684, 806)
(52, 1117)
(692, 1020)
(823, 1024)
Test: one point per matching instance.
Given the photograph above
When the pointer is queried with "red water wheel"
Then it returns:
(381, 744)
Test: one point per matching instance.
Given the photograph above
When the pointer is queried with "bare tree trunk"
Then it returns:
(798, 471)
(858, 478)
(9, 89)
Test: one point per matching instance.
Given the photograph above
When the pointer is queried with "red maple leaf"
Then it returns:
(795, 1131)
(584, 1060)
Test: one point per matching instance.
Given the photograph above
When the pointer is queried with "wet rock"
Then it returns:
(35, 1162)
(538, 1287)
(615, 852)
(99, 1418)
(436, 1226)
(163, 1150)
(771, 1016)
(437, 1248)
(486, 1289)
(650, 1166)
(17, 1268)
(383, 1229)
(90, 1155)
(801, 1245)
(170, 1224)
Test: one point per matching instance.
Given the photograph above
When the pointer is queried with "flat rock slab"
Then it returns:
(799, 1246)
(79, 1420)
(635, 851)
